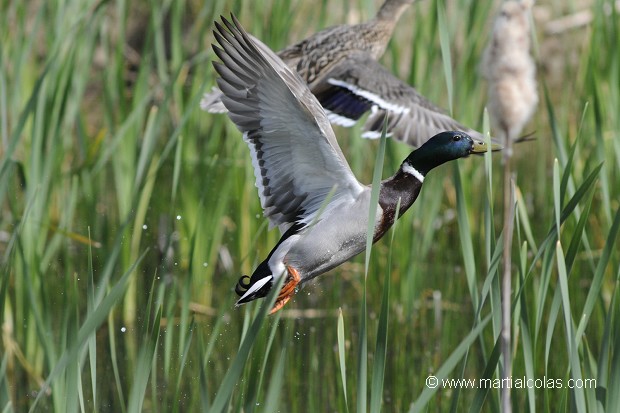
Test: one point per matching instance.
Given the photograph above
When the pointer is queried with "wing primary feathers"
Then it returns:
(280, 120)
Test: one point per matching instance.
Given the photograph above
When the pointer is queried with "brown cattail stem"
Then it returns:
(506, 286)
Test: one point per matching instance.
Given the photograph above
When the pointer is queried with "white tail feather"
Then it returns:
(254, 288)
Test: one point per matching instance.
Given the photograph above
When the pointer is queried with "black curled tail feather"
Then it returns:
(242, 285)
(262, 271)
(245, 283)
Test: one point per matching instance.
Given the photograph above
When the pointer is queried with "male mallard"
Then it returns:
(299, 167)
(340, 66)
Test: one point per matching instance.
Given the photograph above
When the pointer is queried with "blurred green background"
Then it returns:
(128, 215)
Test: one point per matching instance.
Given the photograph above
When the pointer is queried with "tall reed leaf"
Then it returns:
(143, 368)
(597, 280)
(341, 357)
(556, 195)
(362, 370)
(275, 386)
(612, 402)
(575, 367)
(465, 237)
(487, 374)
(229, 382)
(378, 369)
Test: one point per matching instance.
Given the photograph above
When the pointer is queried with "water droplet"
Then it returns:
(123, 329)
(205, 264)
(144, 226)
(178, 217)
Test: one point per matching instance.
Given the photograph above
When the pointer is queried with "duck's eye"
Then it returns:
(457, 137)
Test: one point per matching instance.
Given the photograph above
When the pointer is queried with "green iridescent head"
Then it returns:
(445, 147)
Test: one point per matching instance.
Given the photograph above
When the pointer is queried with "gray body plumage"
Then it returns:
(332, 240)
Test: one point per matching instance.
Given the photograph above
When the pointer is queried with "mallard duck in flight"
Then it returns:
(299, 167)
(339, 65)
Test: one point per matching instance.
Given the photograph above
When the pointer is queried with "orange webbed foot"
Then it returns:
(288, 289)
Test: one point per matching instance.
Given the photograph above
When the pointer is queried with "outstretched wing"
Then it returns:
(297, 161)
(359, 84)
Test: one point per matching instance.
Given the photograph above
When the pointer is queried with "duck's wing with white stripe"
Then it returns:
(297, 161)
(359, 84)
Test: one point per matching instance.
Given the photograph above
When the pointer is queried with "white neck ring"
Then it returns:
(408, 169)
